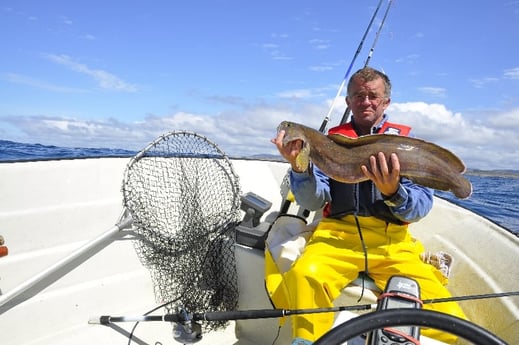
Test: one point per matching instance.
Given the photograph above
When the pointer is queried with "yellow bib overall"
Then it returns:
(334, 256)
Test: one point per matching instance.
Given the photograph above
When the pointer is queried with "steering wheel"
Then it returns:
(409, 317)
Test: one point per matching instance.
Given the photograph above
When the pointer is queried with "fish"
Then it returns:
(341, 157)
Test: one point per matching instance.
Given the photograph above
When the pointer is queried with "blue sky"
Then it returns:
(120, 73)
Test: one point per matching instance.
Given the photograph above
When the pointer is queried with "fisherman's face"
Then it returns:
(367, 101)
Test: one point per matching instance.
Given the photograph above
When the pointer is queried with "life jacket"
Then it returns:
(363, 198)
(387, 128)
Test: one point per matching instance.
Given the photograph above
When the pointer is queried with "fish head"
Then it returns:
(285, 126)
(293, 131)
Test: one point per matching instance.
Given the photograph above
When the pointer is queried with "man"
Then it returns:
(365, 228)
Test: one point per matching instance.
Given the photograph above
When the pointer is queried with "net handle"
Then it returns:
(42, 280)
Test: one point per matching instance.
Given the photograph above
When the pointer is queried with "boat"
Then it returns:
(73, 270)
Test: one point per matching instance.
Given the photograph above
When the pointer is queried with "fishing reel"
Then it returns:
(187, 331)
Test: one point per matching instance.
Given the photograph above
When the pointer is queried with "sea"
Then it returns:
(495, 195)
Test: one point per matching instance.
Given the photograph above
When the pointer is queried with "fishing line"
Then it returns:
(470, 297)
(370, 54)
(377, 35)
(359, 48)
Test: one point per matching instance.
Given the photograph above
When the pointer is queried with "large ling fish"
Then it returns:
(341, 157)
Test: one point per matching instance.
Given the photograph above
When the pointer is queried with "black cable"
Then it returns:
(130, 337)
(277, 335)
(365, 250)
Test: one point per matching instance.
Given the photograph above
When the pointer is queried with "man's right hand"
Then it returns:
(289, 151)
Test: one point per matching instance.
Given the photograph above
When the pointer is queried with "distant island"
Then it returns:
(500, 173)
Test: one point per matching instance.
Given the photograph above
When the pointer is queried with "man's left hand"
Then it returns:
(386, 177)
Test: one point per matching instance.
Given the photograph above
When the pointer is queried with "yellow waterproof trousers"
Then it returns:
(334, 256)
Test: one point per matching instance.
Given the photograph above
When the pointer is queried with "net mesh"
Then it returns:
(183, 196)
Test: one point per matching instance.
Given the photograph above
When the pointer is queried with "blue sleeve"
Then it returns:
(311, 188)
(411, 202)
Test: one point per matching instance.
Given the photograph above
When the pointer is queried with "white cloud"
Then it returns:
(508, 120)
(319, 44)
(411, 58)
(302, 93)
(282, 35)
(482, 82)
(512, 73)
(322, 68)
(433, 91)
(270, 46)
(274, 51)
(484, 143)
(65, 20)
(427, 118)
(39, 84)
(104, 79)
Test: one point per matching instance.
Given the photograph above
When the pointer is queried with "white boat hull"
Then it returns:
(50, 209)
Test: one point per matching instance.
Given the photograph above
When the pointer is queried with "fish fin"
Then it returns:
(303, 158)
(342, 139)
(403, 142)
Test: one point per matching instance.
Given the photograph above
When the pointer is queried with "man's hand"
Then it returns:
(288, 151)
(386, 178)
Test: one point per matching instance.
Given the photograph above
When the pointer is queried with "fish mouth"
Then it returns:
(288, 139)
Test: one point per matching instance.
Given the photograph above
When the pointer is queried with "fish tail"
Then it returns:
(463, 189)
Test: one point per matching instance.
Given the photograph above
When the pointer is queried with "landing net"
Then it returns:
(184, 198)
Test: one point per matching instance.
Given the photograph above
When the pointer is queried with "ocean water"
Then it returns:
(495, 196)
(14, 151)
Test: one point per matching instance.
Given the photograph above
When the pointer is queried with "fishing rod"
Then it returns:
(289, 198)
(359, 48)
(183, 316)
(370, 54)
(377, 35)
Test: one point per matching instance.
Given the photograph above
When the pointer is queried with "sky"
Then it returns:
(118, 74)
